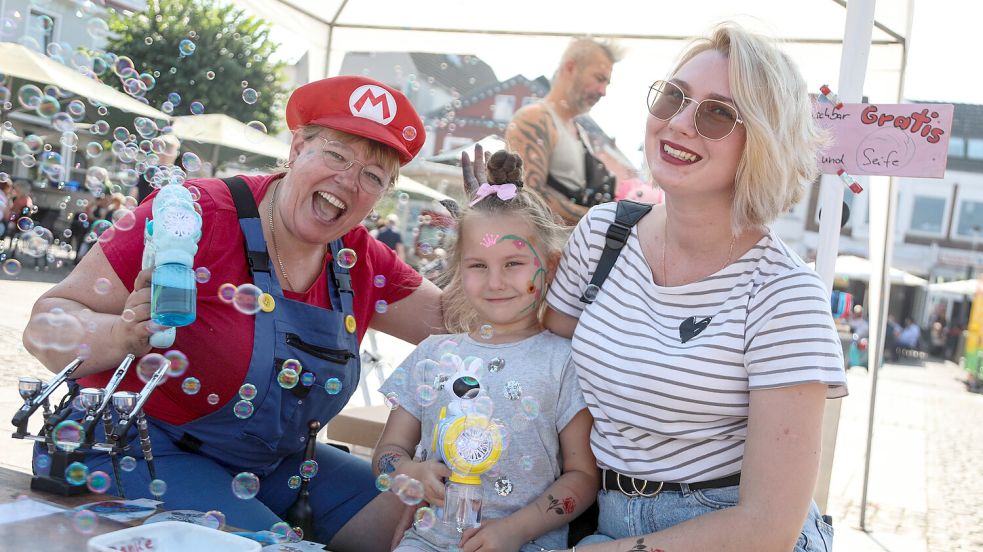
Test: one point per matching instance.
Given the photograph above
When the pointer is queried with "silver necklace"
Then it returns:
(665, 240)
(276, 252)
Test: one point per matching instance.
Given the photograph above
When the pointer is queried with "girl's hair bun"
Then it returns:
(505, 168)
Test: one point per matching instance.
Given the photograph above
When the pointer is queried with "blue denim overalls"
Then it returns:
(198, 460)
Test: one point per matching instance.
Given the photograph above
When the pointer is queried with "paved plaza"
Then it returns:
(926, 485)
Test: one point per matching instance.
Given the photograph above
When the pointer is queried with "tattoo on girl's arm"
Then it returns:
(387, 462)
(640, 547)
(560, 507)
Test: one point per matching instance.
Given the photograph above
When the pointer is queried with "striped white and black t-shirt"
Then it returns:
(665, 410)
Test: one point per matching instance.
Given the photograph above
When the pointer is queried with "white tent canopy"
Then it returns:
(221, 130)
(22, 62)
(959, 287)
(858, 268)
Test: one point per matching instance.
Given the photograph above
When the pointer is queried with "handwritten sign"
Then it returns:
(886, 139)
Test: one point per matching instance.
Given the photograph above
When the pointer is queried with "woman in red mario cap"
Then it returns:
(239, 416)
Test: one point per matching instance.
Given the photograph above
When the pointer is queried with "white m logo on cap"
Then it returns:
(373, 102)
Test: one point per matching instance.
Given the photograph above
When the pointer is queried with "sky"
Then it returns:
(942, 66)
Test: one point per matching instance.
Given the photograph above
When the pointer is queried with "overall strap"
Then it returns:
(251, 224)
(340, 282)
(627, 216)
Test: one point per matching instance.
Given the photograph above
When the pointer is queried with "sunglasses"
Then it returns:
(714, 119)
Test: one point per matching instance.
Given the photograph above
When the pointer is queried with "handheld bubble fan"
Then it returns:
(469, 445)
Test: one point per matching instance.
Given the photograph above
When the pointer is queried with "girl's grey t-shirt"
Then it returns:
(519, 378)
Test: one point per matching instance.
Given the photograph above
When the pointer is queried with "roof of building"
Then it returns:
(464, 73)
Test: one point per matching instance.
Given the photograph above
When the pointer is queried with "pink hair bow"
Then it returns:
(504, 192)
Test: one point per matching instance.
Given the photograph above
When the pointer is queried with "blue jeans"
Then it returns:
(623, 516)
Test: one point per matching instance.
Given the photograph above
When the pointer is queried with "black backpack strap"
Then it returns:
(627, 216)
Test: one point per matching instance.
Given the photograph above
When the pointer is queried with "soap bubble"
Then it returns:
(245, 485)
(124, 219)
(97, 28)
(333, 386)
(191, 162)
(285, 533)
(308, 469)
(93, 150)
(214, 519)
(186, 47)
(250, 96)
(191, 386)
(243, 409)
(424, 518)
(179, 363)
(85, 521)
(76, 473)
(158, 487)
(127, 463)
(202, 275)
(98, 482)
(294, 482)
(530, 407)
(292, 364)
(411, 493)
(391, 400)
(68, 436)
(227, 292)
(247, 391)
(55, 330)
(29, 96)
(246, 299)
(347, 258)
(42, 461)
(403, 198)
(383, 482)
(149, 365)
(426, 394)
(11, 267)
(287, 378)
(307, 379)
(409, 133)
(174, 98)
(212, 399)
(381, 306)
(102, 286)
(197, 108)
(486, 331)
(379, 281)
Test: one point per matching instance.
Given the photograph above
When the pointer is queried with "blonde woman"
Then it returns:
(707, 355)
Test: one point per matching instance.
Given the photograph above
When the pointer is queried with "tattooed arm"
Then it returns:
(533, 136)
(563, 501)
(392, 455)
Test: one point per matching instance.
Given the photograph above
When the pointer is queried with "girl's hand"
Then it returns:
(494, 535)
(132, 333)
(475, 174)
(431, 474)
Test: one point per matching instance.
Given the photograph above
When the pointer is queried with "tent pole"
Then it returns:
(853, 67)
(881, 241)
(331, 27)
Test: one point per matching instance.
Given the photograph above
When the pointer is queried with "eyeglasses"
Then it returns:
(373, 179)
(714, 119)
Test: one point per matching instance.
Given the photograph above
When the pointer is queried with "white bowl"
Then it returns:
(171, 536)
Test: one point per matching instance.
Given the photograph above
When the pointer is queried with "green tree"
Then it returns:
(230, 48)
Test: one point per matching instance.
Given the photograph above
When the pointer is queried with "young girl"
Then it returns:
(513, 371)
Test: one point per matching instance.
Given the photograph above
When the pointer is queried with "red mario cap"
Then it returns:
(359, 106)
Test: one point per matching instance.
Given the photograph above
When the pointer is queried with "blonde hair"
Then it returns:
(459, 314)
(385, 156)
(779, 157)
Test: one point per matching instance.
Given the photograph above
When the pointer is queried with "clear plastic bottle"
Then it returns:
(173, 294)
(462, 503)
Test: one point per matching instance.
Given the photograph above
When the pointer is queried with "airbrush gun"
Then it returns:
(35, 394)
(170, 243)
(129, 407)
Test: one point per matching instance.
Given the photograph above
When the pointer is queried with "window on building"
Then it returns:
(504, 108)
(927, 214)
(41, 27)
(975, 149)
(957, 146)
(970, 222)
